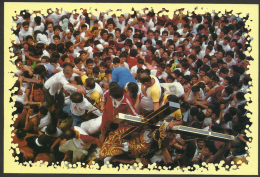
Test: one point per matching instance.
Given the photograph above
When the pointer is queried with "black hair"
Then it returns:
(19, 108)
(116, 92)
(68, 44)
(35, 108)
(76, 97)
(55, 55)
(240, 95)
(185, 65)
(63, 57)
(56, 36)
(51, 129)
(199, 63)
(232, 111)
(103, 64)
(185, 105)
(38, 51)
(69, 134)
(43, 139)
(39, 69)
(173, 98)
(224, 70)
(77, 60)
(215, 78)
(193, 57)
(195, 69)
(52, 46)
(149, 41)
(229, 90)
(103, 31)
(228, 117)
(25, 23)
(194, 111)
(230, 53)
(20, 133)
(96, 70)
(195, 88)
(37, 86)
(74, 34)
(90, 82)
(133, 88)
(200, 116)
(43, 110)
(116, 60)
(194, 76)
(31, 49)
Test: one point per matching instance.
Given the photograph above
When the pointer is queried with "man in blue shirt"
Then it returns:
(46, 70)
(121, 75)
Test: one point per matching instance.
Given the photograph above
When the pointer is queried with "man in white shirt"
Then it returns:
(77, 107)
(25, 31)
(49, 30)
(56, 82)
(160, 73)
(38, 24)
(225, 44)
(44, 116)
(56, 16)
(140, 64)
(148, 20)
(52, 131)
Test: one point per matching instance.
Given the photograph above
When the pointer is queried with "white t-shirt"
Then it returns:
(118, 25)
(180, 31)
(23, 34)
(56, 18)
(147, 101)
(79, 109)
(92, 125)
(134, 69)
(126, 65)
(61, 37)
(164, 74)
(78, 142)
(56, 82)
(46, 120)
(225, 47)
(186, 73)
(191, 95)
(40, 27)
(149, 24)
(20, 98)
(49, 33)
(57, 134)
(232, 62)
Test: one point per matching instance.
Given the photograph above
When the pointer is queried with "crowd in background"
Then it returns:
(76, 71)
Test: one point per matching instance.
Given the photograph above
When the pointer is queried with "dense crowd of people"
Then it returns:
(77, 71)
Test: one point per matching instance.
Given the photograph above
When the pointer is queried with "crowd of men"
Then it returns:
(76, 71)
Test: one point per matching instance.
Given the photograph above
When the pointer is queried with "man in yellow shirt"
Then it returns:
(177, 116)
(150, 93)
(93, 90)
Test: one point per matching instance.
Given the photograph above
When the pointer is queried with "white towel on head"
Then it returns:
(42, 38)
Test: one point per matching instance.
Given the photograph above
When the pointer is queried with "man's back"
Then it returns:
(122, 75)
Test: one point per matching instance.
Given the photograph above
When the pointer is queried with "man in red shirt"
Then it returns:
(114, 101)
